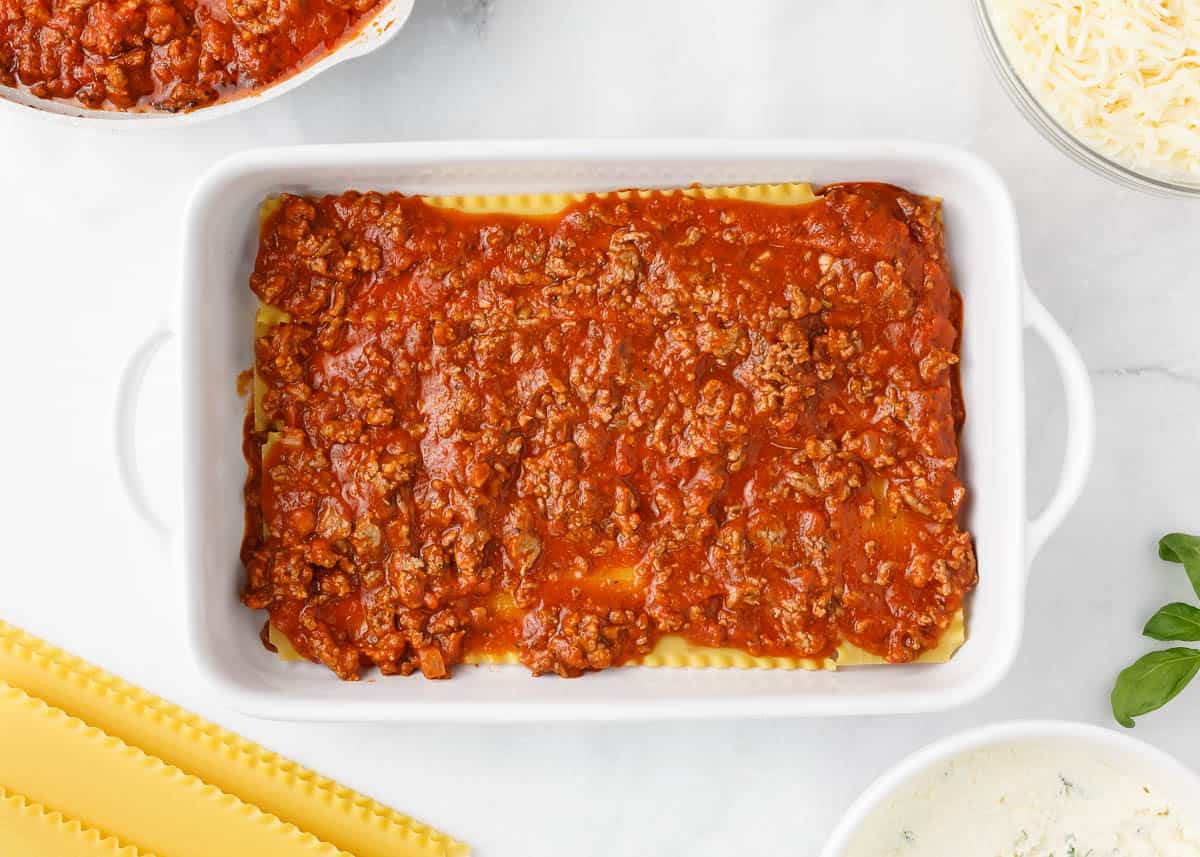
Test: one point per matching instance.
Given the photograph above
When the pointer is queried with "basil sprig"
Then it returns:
(1152, 681)
(1155, 679)
(1177, 621)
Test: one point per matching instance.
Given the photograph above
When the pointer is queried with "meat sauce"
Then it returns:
(167, 55)
(569, 436)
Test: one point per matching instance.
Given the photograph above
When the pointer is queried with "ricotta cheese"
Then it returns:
(1028, 799)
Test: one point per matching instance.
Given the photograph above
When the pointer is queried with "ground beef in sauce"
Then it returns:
(568, 436)
(169, 55)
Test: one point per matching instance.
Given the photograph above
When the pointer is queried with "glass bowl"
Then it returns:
(1063, 139)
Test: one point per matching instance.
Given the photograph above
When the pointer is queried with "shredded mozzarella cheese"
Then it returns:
(1122, 76)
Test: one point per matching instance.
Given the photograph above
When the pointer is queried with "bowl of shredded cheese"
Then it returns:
(1115, 84)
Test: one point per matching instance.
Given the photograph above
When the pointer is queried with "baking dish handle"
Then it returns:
(128, 395)
(1081, 423)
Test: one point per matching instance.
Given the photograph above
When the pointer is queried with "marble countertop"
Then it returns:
(90, 237)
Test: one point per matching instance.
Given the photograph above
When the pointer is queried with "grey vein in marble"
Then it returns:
(1138, 371)
(478, 10)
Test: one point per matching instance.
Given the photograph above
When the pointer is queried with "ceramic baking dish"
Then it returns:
(214, 328)
(377, 32)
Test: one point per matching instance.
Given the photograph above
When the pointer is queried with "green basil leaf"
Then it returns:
(1180, 547)
(1177, 621)
(1152, 681)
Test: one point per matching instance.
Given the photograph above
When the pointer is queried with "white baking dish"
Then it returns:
(215, 330)
(1104, 745)
(377, 32)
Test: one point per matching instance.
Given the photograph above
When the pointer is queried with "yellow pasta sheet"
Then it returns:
(98, 766)
(28, 829)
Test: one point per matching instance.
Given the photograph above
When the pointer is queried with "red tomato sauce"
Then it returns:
(166, 55)
(569, 436)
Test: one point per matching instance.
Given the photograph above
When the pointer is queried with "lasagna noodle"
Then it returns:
(27, 827)
(158, 807)
(669, 651)
(93, 720)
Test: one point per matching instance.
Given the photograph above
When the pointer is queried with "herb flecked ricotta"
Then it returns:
(1028, 799)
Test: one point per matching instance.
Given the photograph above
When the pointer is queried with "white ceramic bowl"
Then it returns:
(377, 32)
(1104, 744)
(1053, 130)
(215, 321)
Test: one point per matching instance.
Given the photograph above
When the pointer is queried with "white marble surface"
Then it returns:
(89, 238)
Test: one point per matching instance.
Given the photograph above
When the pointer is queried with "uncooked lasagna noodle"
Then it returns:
(710, 427)
(96, 767)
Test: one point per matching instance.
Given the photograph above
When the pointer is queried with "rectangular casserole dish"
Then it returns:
(216, 318)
